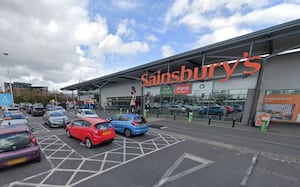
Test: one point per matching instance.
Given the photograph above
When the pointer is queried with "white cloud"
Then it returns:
(152, 38)
(225, 19)
(114, 44)
(124, 29)
(43, 42)
(91, 32)
(126, 4)
(219, 35)
(167, 51)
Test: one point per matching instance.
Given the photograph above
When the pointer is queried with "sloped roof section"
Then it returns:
(271, 41)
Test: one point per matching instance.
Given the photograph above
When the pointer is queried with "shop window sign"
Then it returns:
(166, 90)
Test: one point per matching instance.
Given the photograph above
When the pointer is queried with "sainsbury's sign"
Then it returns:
(207, 71)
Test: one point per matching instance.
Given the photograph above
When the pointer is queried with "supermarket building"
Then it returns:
(258, 72)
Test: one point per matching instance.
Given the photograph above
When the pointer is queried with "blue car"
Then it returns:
(129, 124)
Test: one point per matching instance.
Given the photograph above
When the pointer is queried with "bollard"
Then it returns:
(209, 118)
(233, 122)
(174, 117)
(264, 125)
(145, 113)
(121, 110)
(190, 117)
(127, 111)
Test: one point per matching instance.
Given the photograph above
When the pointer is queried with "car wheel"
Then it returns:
(88, 143)
(68, 134)
(127, 133)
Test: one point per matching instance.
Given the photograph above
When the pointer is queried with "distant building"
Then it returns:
(19, 87)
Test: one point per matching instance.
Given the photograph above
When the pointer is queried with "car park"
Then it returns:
(17, 145)
(129, 124)
(13, 118)
(91, 131)
(55, 119)
(86, 113)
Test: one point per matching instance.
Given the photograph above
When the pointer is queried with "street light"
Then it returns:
(10, 84)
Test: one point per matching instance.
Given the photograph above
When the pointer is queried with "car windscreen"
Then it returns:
(18, 116)
(59, 108)
(14, 141)
(140, 119)
(56, 114)
(89, 112)
(103, 126)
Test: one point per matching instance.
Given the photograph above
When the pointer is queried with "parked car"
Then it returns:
(13, 118)
(237, 108)
(229, 109)
(129, 124)
(214, 110)
(88, 106)
(55, 119)
(60, 109)
(177, 108)
(17, 145)
(37, 110)
(92, 131)
(12, 109)
(50, 107)
(86, 113)
(29, 108)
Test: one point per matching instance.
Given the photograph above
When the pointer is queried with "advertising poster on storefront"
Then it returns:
(282, 107)
(260, 116)
(183, 89)
(167, 90)
(200, 88)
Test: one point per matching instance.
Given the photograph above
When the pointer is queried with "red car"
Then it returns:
(229, 109)
(92, 131)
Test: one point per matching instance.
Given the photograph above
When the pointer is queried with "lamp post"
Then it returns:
(10, 84)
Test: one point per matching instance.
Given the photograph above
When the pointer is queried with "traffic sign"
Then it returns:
(6, 99)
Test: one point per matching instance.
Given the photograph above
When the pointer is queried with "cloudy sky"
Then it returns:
(56, 43)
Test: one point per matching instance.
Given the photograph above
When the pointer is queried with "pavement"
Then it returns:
(278, 128)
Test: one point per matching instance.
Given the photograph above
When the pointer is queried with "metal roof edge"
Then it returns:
(250, 36)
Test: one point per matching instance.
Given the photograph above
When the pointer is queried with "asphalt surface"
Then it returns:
(172, 153)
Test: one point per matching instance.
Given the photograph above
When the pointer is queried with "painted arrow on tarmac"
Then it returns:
(167, 177)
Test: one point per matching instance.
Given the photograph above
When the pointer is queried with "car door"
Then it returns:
(75, 128)
(124, 123)
(84, 131)
(115, 122)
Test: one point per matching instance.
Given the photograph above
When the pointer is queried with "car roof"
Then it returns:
(95, 120)
(13, 128)
(131, 115)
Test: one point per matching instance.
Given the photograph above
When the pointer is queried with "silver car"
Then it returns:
(13, 118)
(55, 119)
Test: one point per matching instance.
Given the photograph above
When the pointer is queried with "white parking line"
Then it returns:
(249, 171)
(129, 151)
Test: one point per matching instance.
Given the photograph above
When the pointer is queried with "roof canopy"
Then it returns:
(270, 41)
